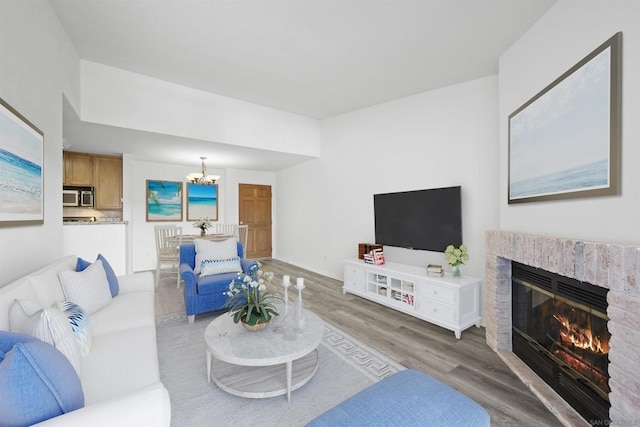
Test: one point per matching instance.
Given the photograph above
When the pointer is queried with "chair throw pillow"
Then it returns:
(114, 286)
(80, 324)
(38, 382)
(218, 250)
(211, 267)
(88, 289)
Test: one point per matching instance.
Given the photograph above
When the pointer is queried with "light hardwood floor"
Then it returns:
(468, 364)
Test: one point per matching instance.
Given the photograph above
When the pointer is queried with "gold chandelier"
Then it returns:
(201, 177)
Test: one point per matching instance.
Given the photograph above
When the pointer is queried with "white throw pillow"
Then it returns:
(20, 312)
(88, 288)
(52, 326)
(218, 250)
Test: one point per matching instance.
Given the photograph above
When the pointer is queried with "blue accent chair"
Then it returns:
(204, 294)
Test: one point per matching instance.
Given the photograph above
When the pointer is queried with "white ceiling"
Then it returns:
(316, 58)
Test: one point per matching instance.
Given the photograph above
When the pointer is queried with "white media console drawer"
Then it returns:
(450, 302)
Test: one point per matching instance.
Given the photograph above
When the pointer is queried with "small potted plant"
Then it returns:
(250, 301)
(203, 224)
(456, 257)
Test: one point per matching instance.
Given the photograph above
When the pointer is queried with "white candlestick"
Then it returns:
(286, 284)
(300, 287)
(300, 283)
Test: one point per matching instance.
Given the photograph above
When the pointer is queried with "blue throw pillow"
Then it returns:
(114, 286)
(37, 381)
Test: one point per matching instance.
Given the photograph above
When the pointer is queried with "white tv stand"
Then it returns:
(450, 302)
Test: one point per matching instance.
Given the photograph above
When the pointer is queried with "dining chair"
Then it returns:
(227, 229)
(243, 236)
(168, 240)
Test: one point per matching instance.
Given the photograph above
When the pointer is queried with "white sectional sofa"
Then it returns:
(120, 376)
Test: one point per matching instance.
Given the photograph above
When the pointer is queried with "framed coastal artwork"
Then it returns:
(565, 142)
(202, 202)
(164, 200)
(21, 169)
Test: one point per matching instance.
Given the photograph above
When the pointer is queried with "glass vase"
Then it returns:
(456, 271)
(203, 232)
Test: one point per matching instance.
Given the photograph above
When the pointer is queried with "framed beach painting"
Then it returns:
(21, 169)
(164, 200)
(202, 202)
(565, 142)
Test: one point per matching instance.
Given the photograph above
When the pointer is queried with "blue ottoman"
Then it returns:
(407, 398)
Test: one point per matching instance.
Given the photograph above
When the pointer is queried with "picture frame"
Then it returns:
(21, 169)
(164, 200)
(202, 202)
(564, 143)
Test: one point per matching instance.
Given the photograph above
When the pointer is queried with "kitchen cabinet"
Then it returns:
(78, 169)
(107, 180)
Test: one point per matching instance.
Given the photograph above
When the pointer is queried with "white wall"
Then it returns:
(562, 37)
(37, 65)
(116, 97)
(141, 232)
(442, 138)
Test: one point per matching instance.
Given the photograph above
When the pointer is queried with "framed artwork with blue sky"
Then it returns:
(21, 169)
(565, 142)
(202, 202)
(164, 200)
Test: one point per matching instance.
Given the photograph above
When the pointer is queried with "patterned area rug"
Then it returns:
(345, 367)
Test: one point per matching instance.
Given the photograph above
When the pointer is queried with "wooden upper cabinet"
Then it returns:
(78, 169)
(107, 180)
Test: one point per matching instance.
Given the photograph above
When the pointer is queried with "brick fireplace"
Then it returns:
(611, 266)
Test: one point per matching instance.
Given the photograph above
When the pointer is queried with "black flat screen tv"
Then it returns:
(422, 219)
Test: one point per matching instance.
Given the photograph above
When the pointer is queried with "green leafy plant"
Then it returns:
(456, 256)
(249, 298)
(203, 224)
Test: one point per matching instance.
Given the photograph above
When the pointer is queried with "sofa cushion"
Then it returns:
(38, 382)
(128, 310)
(207, 249)
(88, 288)
(212, 267)
(52, 326)
(120, 363)
(80, 324)
(215, 284)
(114, 286)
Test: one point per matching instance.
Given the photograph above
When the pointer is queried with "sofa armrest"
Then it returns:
(149, 406)
(247, 264)
(136, 282)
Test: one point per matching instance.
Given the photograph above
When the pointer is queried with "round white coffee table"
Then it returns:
(272, 362)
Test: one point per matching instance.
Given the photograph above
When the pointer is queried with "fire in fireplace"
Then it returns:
(560, 331)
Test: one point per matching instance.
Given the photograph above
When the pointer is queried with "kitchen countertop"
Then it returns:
(94, 222)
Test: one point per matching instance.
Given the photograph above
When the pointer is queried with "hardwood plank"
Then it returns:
(468, 364)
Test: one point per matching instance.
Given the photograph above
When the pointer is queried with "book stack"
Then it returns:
(435, 270)
(374, 257)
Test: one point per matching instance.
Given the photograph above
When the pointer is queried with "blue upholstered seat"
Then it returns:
(204, 294)
(408, 398)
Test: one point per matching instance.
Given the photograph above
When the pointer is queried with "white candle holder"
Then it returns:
(286, 283)
(300, 287)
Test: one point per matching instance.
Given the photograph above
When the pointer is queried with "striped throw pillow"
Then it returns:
(20, 312)
(80, 324)
(210, 267)
(88, 289)
(51, 326)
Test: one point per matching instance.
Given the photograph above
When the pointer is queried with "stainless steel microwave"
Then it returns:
(74, 197)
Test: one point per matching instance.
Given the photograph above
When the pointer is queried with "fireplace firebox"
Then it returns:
(560, 332)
